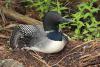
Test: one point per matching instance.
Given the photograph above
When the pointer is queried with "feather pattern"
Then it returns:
(37, 38)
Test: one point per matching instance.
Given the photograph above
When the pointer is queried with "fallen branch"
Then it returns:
(93, 60)
(9, 26)
(1, 43)
(72, 51)
(3, 18)
(19, 17)
(63, 58)
(80, 46)
(39, 59)
(3, 36)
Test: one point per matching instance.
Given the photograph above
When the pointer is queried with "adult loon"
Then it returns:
(46, 39)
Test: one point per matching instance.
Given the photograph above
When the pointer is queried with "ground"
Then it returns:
(75, 54)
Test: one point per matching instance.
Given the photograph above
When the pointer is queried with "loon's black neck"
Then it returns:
(54, 35)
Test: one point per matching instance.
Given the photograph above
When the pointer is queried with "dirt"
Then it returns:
(72, 59)
(73, 55)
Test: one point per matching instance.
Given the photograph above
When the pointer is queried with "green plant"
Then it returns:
(58, 7)
(85, 23)
(44, 6)
(8, 3)
(27, 3)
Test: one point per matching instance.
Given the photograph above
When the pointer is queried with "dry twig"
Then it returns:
(74, 49)
(3, 18)
(19, 17)
(3, 36)
(41, 60)
(9, 26)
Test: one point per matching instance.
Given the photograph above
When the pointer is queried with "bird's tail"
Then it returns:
(15, 38)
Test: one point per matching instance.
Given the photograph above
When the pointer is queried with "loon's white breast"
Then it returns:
(54, 46)
(53, 43)
(49, 47)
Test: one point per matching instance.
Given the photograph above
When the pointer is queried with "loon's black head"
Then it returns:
(52, 19)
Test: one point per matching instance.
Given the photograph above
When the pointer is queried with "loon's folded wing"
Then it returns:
(23, 34)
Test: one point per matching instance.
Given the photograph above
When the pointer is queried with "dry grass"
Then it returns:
(75, 53)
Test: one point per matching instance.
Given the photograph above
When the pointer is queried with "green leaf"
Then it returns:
(87, 25)
(80, 24)
(94, 0)
(98, 34)
(92, 29)
(77, 31)
(87, 15)
(85, 31)
(95, 10)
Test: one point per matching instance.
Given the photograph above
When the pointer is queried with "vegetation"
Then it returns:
(84, 25)
(87, 27)
(44, 6)
(8, 3)
(76, 53)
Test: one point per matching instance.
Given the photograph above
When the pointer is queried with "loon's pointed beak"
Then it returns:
(68, 20)
(65, 20)
(54, 17)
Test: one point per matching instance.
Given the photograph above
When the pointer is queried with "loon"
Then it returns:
(46, 38)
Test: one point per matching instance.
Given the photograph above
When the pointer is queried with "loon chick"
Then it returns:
(37, 38)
